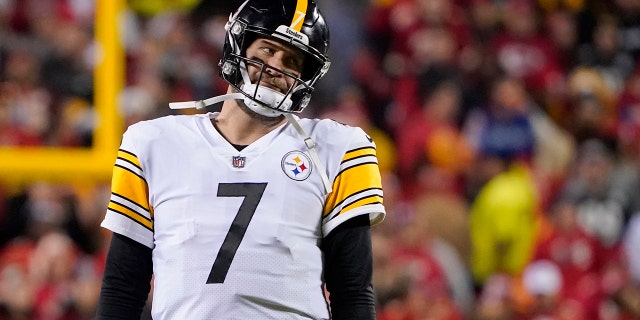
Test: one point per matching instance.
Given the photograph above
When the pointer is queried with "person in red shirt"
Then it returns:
(576, 254)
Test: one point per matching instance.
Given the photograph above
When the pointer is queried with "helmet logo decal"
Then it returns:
(296, 165)
(282, 30)
(298, 16)
(292, 33)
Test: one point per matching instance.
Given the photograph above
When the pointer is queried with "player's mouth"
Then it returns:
(272, 86)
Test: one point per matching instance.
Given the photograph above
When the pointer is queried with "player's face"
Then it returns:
(277, 56)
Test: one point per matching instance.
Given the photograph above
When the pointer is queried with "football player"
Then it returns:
(250, 212)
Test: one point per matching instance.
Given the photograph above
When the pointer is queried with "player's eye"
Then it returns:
(294, 63)
(268, 50)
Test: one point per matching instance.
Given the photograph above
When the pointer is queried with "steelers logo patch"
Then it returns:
(296, 165)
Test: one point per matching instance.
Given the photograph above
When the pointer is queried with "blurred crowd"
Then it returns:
(507, 131)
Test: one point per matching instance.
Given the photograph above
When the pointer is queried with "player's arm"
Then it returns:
(128, 269)
(126, 281)
(348, 270)
(354, 205)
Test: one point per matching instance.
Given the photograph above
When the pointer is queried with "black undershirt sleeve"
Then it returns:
(348, 270)
(126, 281)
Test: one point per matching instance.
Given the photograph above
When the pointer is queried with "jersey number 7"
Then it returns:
(252, 193)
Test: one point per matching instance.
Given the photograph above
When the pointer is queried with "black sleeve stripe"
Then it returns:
(133, 164)
(352, 198)
(131, 153)
(130, 218)
(355, 158)
(337, 214)
(355, 194)
(132, 210)
(125, 168)
(361, 148)
(125, 198)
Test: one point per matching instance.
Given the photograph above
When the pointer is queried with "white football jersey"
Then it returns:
(236, 234)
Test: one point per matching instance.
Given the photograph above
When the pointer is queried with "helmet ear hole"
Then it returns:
(277, 20)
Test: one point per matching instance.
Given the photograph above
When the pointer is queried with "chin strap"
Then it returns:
(311, 146)
(201, 104)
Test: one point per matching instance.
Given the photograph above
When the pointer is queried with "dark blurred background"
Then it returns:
(507, 131)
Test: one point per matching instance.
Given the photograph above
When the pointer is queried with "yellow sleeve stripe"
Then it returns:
(131, 186)
(351, 181)
(131, 214)
(361, 171)
(129, 157)
(353, 200)
(358, 153)
(299, 15)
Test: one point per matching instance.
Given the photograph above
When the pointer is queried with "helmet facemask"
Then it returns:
(261, 99)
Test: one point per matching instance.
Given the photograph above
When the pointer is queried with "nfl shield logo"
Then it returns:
(238, 161)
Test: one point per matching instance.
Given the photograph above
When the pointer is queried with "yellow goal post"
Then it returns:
(56, 164)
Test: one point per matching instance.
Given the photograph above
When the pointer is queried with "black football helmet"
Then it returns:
(298, 23)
